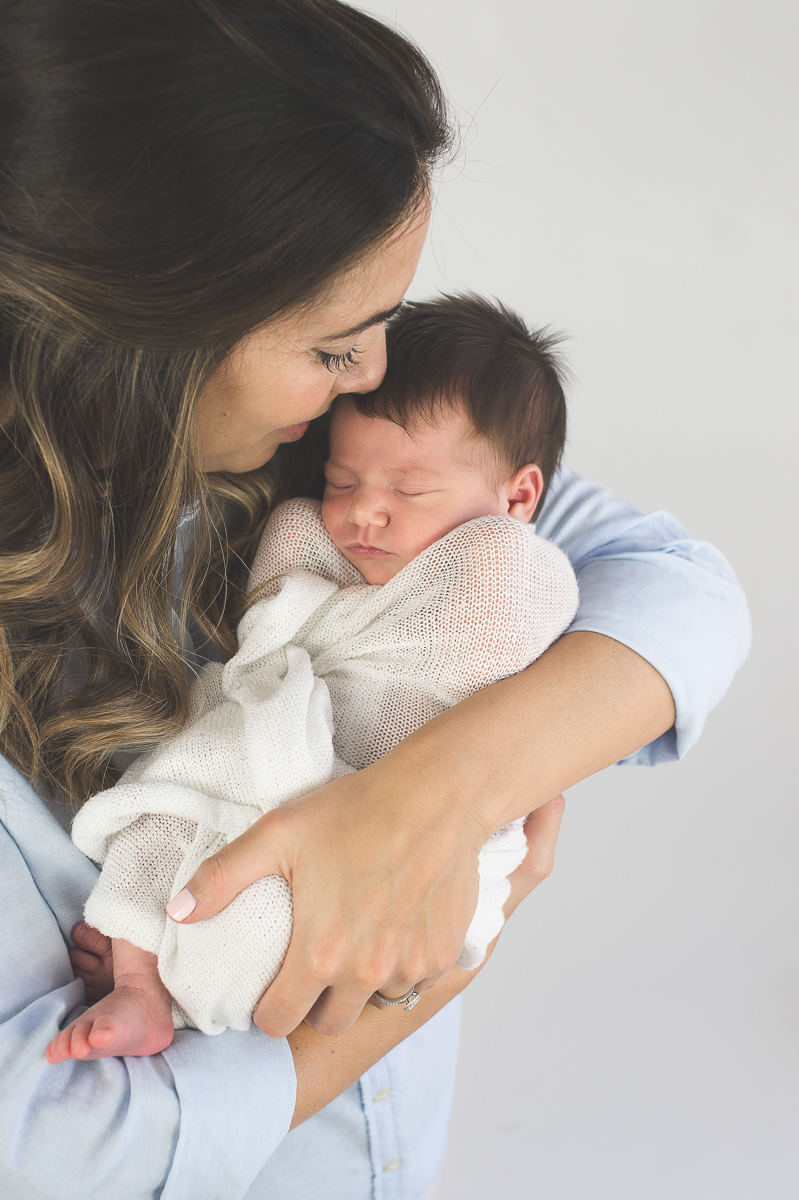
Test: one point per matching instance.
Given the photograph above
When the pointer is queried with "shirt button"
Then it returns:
(382, 1095)
(393, 1164)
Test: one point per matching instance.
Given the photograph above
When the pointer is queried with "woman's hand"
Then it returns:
(383, 863)
(381, 899)
(325, 1069)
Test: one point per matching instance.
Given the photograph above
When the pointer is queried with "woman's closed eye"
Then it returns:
(340, 362)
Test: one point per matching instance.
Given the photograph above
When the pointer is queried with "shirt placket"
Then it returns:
(379, 1100)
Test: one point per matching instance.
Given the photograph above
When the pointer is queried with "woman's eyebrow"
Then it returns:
(378, 319)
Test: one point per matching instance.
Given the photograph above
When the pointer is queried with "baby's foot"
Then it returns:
(132, 1020)
(92, 961)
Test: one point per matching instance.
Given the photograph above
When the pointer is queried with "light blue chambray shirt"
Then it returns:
(207, 1118)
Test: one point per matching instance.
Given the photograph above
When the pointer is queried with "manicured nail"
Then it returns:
(181, 906)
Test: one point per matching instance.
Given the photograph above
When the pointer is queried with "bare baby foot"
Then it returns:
(135, 1019)
(92, 961)
(127, 1022)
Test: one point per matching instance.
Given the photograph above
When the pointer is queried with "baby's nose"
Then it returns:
(365, 511)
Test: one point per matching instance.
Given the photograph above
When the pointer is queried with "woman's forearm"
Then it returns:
(326, 1066)
(382, 863)
(583, 705)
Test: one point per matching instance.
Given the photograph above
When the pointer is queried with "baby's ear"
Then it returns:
(524, 491)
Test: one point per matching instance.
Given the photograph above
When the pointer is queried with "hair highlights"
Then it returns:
(173, 173)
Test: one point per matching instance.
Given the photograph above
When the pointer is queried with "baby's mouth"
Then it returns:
(361, 551)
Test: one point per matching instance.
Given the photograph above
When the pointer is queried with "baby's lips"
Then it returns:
(181, 906)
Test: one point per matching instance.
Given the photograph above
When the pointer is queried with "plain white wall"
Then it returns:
(629, 176)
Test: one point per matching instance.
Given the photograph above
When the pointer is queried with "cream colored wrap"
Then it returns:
(331, 673)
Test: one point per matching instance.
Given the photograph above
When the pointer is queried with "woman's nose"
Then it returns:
(366, 509)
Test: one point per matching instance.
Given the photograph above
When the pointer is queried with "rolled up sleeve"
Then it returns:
(644, 582)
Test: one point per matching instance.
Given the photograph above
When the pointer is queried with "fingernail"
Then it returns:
(181, 906)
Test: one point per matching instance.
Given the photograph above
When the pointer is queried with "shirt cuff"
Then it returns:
(226, 1135)
(690, 621)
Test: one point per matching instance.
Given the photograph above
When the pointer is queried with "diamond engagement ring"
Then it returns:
(408, 1000)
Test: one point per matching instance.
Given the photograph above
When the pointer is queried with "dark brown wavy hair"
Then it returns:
(173, 173)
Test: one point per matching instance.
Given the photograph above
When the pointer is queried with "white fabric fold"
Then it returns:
(330, 675)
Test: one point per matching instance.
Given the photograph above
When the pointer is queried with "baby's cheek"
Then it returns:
(331, 519)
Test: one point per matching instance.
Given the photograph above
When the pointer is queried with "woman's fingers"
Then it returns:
(329, 990)
(221, 877)
(380, 902)
(542, 828)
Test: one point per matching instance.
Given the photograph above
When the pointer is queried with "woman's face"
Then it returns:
(289, 371)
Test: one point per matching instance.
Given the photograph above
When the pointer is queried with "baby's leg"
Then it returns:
(135, 1019)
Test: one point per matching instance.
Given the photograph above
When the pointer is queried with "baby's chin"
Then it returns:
(374, 570)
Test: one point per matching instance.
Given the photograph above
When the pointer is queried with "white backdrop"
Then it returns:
(629, 176)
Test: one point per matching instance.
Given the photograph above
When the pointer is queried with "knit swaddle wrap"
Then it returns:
(477, 606)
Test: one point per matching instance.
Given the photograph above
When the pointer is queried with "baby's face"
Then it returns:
(391, 494)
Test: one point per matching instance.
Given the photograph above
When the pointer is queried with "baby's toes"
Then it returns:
(78, 1033)
(56, 1052)
(67, 1045)
(84, 964)
(94, 967)
(91, 939)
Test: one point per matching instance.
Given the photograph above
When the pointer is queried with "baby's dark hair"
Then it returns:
(463, 350)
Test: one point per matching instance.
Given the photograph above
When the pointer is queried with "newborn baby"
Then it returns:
(417, 581)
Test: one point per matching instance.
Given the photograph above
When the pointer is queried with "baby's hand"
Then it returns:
(92, 961)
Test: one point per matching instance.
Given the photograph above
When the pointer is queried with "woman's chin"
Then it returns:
(239, 462)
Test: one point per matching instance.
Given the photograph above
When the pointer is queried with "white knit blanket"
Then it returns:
(331, 673)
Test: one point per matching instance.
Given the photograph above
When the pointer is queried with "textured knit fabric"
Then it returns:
(201, 1120)
(477, 606)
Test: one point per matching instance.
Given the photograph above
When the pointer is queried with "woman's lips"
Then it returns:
(292, 433)
(361, 551)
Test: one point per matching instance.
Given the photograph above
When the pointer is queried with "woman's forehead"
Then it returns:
(370, 291)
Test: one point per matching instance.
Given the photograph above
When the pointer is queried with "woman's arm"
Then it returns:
(207, 1109)
(142, 1127)
(382, 864)
(326, 1067)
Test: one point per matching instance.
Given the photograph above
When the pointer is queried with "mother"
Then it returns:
(207, 211)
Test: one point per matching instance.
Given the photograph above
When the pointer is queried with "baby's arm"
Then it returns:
(134, 1019)
(512, 595)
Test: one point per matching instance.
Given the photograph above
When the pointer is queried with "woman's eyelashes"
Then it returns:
(340, 362)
